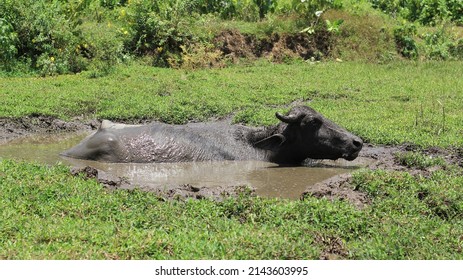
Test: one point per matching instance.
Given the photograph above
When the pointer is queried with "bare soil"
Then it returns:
(276, 47)
(337, 187)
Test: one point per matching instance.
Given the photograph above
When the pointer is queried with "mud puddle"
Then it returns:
(40, 147)
(185, 179)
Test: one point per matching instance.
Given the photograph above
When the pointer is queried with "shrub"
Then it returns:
(405, 42)
(102, 47)
(44, 33)
(306, 8)
(366, 37)
(111, 4)
(225, 9)
(158, 31)
(436, 45)
(427, 12)
(440, 44)
(456, 49)
(8, 41)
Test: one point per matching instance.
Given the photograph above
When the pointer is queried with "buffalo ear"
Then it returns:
(270, 143)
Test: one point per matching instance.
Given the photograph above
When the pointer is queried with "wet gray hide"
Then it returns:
(302, 133)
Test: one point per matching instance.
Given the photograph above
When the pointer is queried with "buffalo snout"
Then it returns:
(354, 149)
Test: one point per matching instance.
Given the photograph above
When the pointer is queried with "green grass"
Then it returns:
(419, 160)
(48, 214)
(416, 218)
(384, 104)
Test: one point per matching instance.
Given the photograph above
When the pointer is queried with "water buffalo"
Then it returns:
(302, 133)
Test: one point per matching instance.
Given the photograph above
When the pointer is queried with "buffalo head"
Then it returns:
(304, 133)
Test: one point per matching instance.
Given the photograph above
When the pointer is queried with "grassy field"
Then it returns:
(384, 104)
(48, 214)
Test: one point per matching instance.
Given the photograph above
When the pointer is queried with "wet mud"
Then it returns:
(43, 138)
(14, 128)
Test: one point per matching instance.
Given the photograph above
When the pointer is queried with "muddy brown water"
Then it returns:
(269, 179)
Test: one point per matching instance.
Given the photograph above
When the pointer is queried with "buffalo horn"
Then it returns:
(292, 118)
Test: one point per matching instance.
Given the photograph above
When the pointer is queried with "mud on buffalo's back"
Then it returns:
(302, 133)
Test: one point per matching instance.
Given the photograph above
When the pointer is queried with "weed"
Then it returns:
(198, 56)
(434, 120)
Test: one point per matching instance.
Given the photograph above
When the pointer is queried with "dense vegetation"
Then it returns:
(97, 56)
(54, 37)
(429, 12)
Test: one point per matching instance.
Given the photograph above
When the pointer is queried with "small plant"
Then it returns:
(405, 42)
(311, 28)
(333, 27)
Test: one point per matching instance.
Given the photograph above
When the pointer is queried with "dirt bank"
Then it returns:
(276, 47)
(337, 187)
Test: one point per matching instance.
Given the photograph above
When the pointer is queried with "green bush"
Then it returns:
(54, 36)
(102, 46)
(8, 41)
(405, 42)
(111, 4)
(44, 33)
(441, 45)
(225, 9)
(306, 7)
(157, 30)
(423, 11)
(436, 45)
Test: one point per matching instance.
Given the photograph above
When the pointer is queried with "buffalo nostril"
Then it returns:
(357, 143)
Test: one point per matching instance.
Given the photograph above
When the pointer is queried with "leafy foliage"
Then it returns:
(8, 40)
(54, 37)
(423, 11)
(406, 44)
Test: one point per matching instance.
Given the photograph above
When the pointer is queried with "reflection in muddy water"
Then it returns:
(269, 179)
